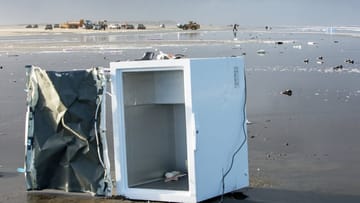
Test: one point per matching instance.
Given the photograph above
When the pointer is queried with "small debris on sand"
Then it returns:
(261, 52)
(339, 67)
(349, 61)
(311, 43)
(287, 92)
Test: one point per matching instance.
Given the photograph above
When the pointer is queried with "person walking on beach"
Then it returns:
(235, 29)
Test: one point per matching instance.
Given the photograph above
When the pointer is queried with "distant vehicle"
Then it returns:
(73, 24)
(88, 25)
(103, 24)
(56, 26)
(35, 26)
(162, 25)
(114, 26)
(28, 26)
(191, 25)
(141, 27)
(127, 26)
(97, 27)
(48, 27)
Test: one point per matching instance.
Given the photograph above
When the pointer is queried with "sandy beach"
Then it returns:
(302, 148)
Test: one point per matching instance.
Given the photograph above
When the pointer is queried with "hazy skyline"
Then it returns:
(218, 12)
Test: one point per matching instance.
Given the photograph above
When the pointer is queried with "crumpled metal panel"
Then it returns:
(64, 146)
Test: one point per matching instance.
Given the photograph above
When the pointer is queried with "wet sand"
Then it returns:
(302, 148)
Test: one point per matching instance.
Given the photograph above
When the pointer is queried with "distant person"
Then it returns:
(235, 29)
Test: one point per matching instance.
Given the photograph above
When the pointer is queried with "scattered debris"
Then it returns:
(306, 61)
(335, 41)
(339, 67)
(261, 52)
(162, 56)
(173, 176)
(287, 92)
(179, 56)
(149, 55)
(286, 144)
(268, 28)
(248, 122)
(252, 136)
(320, 58)
(319, 62)
(311, 43)
(349, 61)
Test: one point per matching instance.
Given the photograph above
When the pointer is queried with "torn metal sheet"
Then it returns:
(65, 137)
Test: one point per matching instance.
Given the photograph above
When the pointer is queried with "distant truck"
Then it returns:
(191, 25)
(73, 24)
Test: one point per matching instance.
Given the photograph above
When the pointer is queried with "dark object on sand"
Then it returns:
(179, 56)
(28, 26)
(1, 67)
(339, 67)
(349, 61)
(287, 92)
(279, 42)
(306, 61)
(149, 55)
(320, 58)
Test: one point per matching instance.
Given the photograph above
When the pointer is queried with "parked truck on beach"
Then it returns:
(191, 25)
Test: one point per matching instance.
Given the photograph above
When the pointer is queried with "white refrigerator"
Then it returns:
(179, 128)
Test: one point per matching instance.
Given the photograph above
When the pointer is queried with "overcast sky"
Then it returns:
(218, 12)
